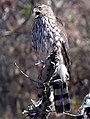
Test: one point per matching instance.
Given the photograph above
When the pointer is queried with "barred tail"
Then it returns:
(61, 97)
(58, 98)
(66, 99)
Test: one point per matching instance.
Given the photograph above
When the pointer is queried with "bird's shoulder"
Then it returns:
(63, 33)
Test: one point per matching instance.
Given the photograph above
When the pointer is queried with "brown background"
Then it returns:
(15, 90)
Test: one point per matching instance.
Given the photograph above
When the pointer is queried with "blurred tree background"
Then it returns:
(15, 46)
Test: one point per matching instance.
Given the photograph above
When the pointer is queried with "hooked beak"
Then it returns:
(36, 12)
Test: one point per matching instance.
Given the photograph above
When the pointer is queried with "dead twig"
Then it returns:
(27, 75)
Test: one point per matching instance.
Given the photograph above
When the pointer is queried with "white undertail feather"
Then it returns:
(62, 71)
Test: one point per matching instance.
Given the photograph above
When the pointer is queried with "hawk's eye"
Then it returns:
(39, 8)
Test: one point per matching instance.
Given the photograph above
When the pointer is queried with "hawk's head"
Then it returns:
(43, 10)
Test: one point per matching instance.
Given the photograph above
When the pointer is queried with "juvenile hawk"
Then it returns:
(47, 30)
(48, 35)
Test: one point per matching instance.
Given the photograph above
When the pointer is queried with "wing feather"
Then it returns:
(64, 45)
